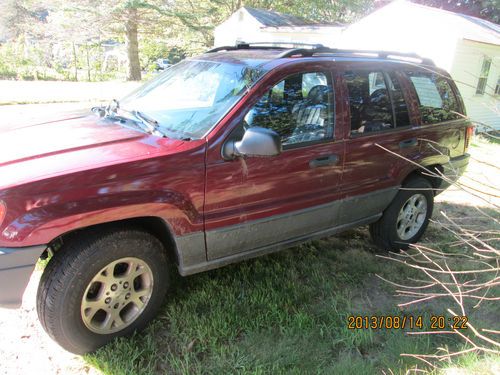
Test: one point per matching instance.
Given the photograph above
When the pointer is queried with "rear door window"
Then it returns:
(437, 101)
(369, 102)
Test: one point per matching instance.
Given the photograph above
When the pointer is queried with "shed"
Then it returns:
(258, 25)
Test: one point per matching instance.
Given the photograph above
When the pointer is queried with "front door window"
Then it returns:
(298, 108)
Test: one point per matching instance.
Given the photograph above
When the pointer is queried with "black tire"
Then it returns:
(384, 232)
(72, 270)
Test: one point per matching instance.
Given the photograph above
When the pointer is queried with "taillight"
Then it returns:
(3, 211)
(469, 132)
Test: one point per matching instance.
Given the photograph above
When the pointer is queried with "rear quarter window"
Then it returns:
(437, 101)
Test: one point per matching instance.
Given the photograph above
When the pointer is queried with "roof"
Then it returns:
(442, 21)
(492, 29)
(270, 18)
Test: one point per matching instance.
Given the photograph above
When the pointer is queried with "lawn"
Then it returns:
(288, 312)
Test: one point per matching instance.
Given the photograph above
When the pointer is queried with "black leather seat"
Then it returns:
(310, 116)
(314, 109)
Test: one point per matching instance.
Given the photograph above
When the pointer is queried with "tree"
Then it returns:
(20, 16)
(486, 9)
(120, 19)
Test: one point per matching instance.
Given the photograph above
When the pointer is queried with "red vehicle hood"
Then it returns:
(60, 137)
(33, 152)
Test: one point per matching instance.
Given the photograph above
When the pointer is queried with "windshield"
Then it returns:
(192, 96)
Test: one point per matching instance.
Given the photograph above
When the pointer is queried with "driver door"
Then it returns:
(254, 202)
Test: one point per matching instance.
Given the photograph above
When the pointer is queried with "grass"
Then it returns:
(287, 314)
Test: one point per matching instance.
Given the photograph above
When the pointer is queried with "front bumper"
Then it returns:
(16, 267)
(454, 169)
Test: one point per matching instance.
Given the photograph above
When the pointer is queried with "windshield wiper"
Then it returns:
(150, 122)
(111, 110)
(146, 122)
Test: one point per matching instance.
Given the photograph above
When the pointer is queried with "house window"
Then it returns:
(497, 88)
(483, 76)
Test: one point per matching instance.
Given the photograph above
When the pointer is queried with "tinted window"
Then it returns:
(298, 108)
(369, 102)
(398, 101)
(436, 98)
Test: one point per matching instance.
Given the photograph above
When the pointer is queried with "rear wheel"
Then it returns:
(406, 218)
(102, 286)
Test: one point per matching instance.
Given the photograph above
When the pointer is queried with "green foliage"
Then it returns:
(152, 50)
(486, 9)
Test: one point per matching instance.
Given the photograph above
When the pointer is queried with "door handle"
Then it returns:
(408, 143)
(324, 161)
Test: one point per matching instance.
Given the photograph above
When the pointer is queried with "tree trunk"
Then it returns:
(88, 62)
(75, 61)
(133, 63)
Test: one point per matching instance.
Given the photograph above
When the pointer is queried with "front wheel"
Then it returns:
(101, 286)
(406, 218)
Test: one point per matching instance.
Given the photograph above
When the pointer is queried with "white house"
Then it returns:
(467, 47)
(258, 25)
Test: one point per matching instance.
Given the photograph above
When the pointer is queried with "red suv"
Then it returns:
(233, 154)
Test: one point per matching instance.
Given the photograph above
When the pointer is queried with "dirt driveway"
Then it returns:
(26, 349)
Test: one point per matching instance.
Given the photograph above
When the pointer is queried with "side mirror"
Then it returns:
(99, 111)
(255, 142)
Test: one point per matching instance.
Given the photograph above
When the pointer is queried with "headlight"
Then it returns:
(3, 211)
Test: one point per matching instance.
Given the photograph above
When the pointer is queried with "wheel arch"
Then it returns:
(424, 173)
(154, 225)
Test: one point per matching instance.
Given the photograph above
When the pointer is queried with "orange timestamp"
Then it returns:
(434, 322)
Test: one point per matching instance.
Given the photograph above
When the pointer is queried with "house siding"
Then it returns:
(466, 66)
(240, 27)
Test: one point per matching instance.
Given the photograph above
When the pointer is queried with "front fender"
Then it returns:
(41, 219)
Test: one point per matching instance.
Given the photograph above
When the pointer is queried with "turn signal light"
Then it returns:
(3, 211)
(469, 132)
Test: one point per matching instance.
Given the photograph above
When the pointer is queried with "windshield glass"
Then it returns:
(192, 96)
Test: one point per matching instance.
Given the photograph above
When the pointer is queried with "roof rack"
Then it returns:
(340, 51)
(264, 45)
(308, 50)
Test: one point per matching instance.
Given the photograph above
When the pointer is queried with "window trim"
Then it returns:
(332, 104)
(387, 131)
(483, 78)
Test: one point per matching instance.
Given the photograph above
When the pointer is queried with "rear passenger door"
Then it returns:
(381, 126)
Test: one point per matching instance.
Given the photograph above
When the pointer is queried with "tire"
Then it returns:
(390, 232)
(77, 304)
